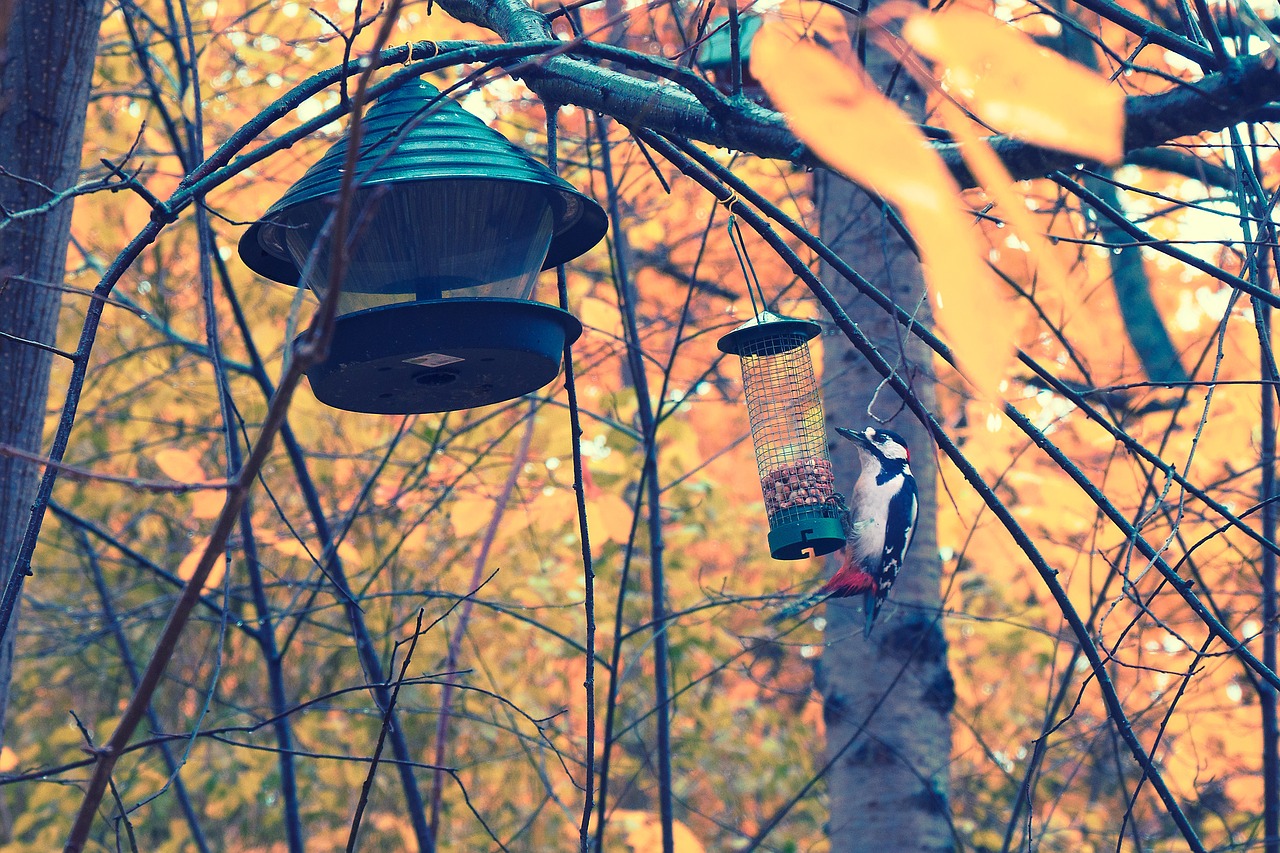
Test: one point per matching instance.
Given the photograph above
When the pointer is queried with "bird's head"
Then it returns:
(881, 444)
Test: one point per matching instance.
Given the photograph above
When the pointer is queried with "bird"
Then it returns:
(879, 525)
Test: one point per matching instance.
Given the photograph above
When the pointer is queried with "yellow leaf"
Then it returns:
(1018, 87)
(857, 131)
(612, 514)
(181, 465)
(599, 315)
(470, 515)
(189, 101)
(416, 539)
(822, 23)
(207, 503)
(644, 832)
(553, 508)
(1010, 206)
(647, 234)
(292, 548)
(350, 554)
(8, 760)
(187, 568)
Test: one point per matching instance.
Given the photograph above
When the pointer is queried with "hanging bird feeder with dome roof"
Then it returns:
(437, 308)
(789, 432)
(715, 57)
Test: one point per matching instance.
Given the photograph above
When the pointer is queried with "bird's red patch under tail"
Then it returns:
(849, 580)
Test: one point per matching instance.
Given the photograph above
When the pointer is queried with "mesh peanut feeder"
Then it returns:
(790, 435)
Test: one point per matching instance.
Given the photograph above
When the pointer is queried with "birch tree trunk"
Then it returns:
(887, 700)
(47, 64)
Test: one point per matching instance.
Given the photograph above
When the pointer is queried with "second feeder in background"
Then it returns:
(790, 435)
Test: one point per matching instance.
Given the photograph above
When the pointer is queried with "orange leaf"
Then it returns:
(181, 465)
(612, 514)
(554, 507)
(470, 515)
(857, 131)
(846, 122)
(207, 504)
(643, 832)
(601, 316)
(350, 554)
(1010, 205)
(292, 548)
(822, 23)
(187, 568)
(1018, 87)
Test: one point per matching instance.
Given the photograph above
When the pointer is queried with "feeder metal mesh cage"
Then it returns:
(790, 436)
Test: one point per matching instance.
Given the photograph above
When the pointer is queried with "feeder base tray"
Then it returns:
(442, 355)
(810, 537)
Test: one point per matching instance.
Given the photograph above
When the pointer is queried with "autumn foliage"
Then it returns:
(449, 548)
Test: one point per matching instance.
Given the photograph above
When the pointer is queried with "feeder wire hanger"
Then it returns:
(744, 261)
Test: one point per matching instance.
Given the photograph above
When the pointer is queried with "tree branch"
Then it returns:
(1210, 104)
(1217, 100)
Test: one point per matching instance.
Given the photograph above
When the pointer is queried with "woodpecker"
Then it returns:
(879, 525)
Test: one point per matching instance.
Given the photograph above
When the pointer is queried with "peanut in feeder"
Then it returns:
(790, 435)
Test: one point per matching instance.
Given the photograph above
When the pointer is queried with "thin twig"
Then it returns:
(584, 534)
(464, 617)
(38, 345)
(74, 472)
(653, 499)
(112, 619)
(387, 718)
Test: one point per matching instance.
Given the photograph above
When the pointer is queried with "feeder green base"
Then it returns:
(810, 537)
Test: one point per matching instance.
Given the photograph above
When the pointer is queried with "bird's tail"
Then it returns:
(799, 606)
(870, 604)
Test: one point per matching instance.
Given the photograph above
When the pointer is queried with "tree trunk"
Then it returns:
(47, 61)
(887, 700)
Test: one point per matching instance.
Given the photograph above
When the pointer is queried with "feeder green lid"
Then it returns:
(717, 50)
(448, 143)
(767, 327)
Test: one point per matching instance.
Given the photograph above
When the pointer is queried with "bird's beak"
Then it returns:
(855, 437)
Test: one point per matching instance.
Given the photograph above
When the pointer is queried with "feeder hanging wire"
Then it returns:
(744, 261)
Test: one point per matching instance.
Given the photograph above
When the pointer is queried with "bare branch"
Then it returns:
(76, 473)
(1217, 100)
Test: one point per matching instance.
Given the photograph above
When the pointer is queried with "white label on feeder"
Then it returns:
(433, 359)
